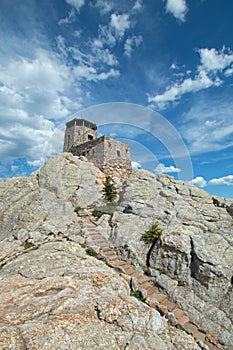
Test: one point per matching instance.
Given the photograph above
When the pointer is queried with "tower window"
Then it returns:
(90, 137)
(118, 153)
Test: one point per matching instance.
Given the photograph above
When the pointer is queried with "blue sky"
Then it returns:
(174, 57)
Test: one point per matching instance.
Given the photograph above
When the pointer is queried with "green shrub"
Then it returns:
(109, 190)
(138, 296)
(66, 237)
(27, 245)
(76, 210)
(97, 213)
(50, 233)
(152, 234)
(91, 252)
(181, 283)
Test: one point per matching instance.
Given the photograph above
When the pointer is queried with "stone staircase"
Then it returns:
(139, 282)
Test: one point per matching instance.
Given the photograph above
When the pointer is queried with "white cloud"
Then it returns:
(137, 6)
(70, 18)
(212, 63)
(174, 93)
(77, 4)
(207, 126)
(228, 72)
(120, 23)
(33, 91)
(91, 74)
(131, 42)
(214, 60)
(178, 8)
(36, 85)
(136, 165)
(161, 168)
(106, 36)
(105, 6)
(225, 180)
(199, 181)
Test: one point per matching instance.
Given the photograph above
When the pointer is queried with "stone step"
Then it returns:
(134, 273)
(169, 305)
(122, 263)
(111, 260)
(190, 328)
(211, 346)
(145, 285)
(155, 298)
(142, 278)
(161, 308)
(107, 249)
(92, 233)
(159, 298)
(152, 291)
(129, 270)
(108, 252)
(200, 336)
(182, 320)
(101, 242)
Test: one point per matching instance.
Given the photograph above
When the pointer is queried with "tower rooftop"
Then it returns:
(81, 122)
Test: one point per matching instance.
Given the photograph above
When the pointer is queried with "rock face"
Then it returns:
(45, 201)
(192, 260)
(57, 297)
(54, 296)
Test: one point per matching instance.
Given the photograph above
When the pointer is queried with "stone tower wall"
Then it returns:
(110, 156)
(78, 131)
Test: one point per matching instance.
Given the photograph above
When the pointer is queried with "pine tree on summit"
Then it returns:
(109, 191)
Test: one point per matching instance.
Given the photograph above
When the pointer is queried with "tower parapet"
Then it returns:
(78, 131)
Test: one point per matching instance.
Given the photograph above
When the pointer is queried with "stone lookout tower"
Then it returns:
(112, 157)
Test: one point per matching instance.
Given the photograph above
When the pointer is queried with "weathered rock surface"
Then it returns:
(57, 297)
(192, 261)
(54, 296)
(45, 201)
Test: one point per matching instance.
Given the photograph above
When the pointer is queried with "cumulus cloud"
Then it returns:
(161, 168)
(199, 181)
(213, 60)
(32, 92)
(178, 8)
(120, 23)
(77, 4)
(212, 63)
(131, 42)
(36, 85)
(225, 180)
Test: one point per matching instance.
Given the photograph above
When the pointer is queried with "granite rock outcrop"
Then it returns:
(192, 259)
(54, 296)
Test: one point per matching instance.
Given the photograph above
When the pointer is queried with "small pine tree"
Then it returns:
(151, 236)
(109, 191)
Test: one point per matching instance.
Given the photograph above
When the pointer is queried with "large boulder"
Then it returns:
(41, 201)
